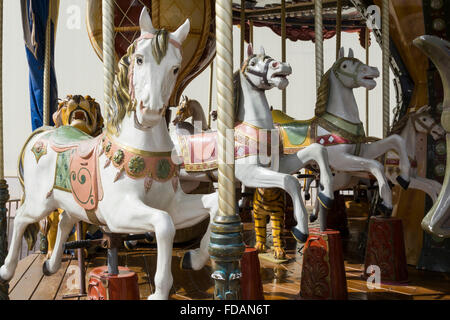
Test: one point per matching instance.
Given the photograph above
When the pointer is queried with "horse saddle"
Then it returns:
(295, 134)
(77, 165)
(199, 151)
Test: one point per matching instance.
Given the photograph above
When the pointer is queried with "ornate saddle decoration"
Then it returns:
(199, 151)
(138, 164)
(297, 135)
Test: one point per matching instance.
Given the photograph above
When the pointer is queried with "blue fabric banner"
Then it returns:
(35, 14)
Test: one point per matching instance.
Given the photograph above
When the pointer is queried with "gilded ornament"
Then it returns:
(118, 157)
(136, 165)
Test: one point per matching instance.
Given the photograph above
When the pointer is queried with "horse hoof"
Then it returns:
(186, 263)
(45, 270)
(385, 211)
(307, 197)
(299, 236)
(403, 183)
(312, 217)
(325, 201)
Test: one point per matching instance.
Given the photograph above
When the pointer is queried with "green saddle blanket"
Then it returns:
(296, 131)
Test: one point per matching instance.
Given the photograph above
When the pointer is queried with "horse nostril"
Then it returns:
(275, 64)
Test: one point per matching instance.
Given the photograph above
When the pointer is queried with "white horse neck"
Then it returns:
(342, 102)
(409, 134)
(198, 114)
(253, 106)
(156, 139)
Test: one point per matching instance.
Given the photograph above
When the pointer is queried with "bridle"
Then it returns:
(416, 119)
(146, 36)
(337, 70)
(245, 69)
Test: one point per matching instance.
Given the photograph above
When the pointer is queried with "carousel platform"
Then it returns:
(280, 281)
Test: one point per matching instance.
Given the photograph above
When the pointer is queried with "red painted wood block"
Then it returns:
(323, 270)
(386, 249)
(251, 285)
(103, 286)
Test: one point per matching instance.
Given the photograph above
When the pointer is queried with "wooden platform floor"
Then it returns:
(280, 281)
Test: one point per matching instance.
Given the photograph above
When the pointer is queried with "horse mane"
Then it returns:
(323, 94)
(398, 127)
(236, 93)
(122, 101)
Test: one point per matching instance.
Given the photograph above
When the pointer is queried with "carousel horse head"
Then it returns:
(83, 113)
(184, 111)
(353, 73)
(264, 72)
(425, 123)
(147, 75)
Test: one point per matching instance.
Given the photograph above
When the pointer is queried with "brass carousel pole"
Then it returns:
(211, 79)
(226, 246)
(386, 57)
(108, 69)
(367, 90)
(338, 27)
(318, 7)
(242, 31)
(283, 46)
(4, 194)
(251, 31)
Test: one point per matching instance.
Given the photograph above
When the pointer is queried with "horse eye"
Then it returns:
(424, 119)
(175, 71)
(253, 63)
(139, 60)
(344, 66)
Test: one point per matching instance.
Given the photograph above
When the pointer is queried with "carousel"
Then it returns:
(154, 196)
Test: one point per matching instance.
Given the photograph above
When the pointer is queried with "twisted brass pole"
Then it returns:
(318, 11)
(4, 195)
(226, 246)
(283, 47)
(338, 28)
(367, 90)
(242, 30)
(108, 49)
(47, 60)
(386, 57)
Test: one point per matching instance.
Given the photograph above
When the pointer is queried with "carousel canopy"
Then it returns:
(299, 17)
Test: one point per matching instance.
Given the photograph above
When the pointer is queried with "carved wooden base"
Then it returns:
(386, 249)
(251, 285)
(323, 271)
(103, 286)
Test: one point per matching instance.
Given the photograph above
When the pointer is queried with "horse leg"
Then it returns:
(139, 218)
(188, 210)
(259, 177)
(319, 154)
(397, 144)
(25, 216)
(66, 223)
(348, 162)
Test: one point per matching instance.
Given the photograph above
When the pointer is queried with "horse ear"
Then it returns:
(262, 51)
(351, 54)
(182, 32)
(342, 53)
(145, 22)
(249, 50)
(424, 108)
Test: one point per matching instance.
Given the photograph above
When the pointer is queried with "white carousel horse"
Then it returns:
(338, 127)
(437, 220)
(253, 168)
(139, 192)
(419, 121)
